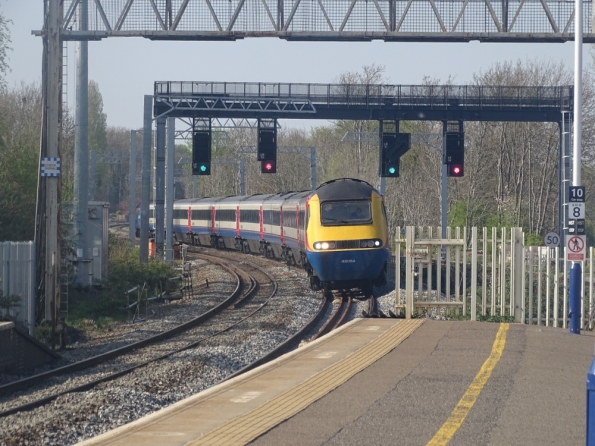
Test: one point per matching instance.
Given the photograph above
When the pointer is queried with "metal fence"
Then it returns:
(17, 278)
(487, 274)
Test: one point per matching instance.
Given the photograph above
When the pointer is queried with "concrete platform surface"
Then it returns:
(536, 394)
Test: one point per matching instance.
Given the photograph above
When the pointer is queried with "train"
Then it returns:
(338, 232)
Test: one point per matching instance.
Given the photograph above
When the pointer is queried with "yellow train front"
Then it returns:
(346, 236)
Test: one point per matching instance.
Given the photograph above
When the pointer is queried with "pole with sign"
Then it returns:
(575, 248)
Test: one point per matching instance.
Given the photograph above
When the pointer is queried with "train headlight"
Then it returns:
(324, 245)
(377, 243)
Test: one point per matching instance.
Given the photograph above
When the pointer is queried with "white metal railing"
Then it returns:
(490, 274)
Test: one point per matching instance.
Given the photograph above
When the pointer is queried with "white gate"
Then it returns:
(490, 275)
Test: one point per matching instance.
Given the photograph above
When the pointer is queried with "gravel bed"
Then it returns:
(165, 317)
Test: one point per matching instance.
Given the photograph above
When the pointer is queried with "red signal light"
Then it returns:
(268, 167)
(455, 170)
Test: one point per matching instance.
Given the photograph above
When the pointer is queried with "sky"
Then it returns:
(126, 68)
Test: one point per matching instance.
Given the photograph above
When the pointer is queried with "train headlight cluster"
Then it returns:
(324, 245)
(348, 244)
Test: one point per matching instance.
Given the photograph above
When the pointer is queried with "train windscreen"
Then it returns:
(346, 212)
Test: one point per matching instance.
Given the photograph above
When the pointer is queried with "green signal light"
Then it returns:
(203, 168)
(392, 170)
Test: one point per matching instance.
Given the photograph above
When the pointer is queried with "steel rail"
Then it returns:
(98, 359)
(252, 289)
(338, 316)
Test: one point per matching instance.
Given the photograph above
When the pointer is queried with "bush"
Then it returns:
(105, 306)
(9, 301)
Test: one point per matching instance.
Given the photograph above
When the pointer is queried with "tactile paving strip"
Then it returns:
(249, 426)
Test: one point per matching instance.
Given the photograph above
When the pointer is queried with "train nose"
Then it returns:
(348, 265)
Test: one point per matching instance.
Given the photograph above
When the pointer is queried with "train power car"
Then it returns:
(337, 233)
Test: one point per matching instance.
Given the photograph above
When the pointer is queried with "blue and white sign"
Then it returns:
(50, 167)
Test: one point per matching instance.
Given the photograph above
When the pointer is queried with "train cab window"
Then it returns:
(346, 213)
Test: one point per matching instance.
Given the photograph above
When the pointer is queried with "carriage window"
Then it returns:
(200, 214)
(249, 216)
(302, 219)
(226, 215)
(346, 212)
(289, 219)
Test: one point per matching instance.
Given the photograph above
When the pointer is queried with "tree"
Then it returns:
(98, 141)
(97, 119)
(358, 159)
(117, 167)
(20, 118)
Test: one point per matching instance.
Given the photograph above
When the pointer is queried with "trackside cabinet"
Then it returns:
(98, 238)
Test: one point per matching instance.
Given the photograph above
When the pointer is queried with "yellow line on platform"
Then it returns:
(458, 415)
(245, 428)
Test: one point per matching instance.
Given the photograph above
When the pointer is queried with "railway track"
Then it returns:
(247, 287)
(343, 302)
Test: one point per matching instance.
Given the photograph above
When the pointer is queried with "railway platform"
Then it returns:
(393, 381)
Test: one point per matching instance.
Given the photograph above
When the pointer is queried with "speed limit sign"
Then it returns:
(552, 240)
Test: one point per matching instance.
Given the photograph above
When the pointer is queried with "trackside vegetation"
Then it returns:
(102, 306)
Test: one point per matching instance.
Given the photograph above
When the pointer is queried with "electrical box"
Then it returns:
(98, 227)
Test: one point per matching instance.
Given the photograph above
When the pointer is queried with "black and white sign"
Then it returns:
(576, 194)
(552, 240)
(576, 227)
(576, 211)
